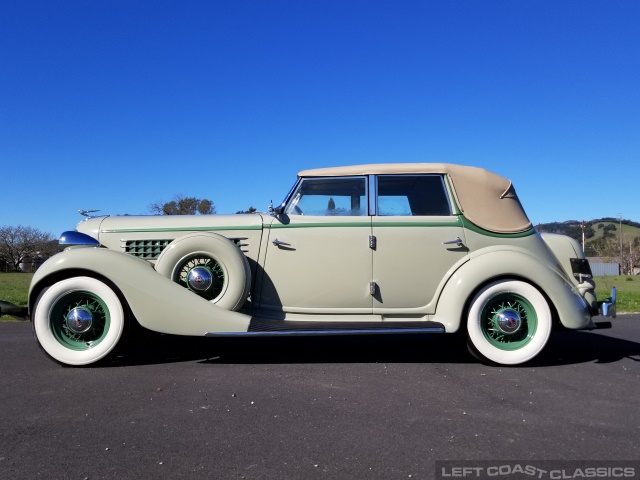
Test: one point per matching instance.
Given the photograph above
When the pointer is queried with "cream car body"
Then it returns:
(362, 249)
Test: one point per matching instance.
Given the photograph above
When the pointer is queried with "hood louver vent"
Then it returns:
(151, 249)
(146, 249)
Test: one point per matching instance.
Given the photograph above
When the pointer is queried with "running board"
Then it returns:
(270, 328)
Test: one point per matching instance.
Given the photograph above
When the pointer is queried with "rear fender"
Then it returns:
(490, 264)
(564, 249)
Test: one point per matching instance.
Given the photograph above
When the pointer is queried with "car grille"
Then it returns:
(147, 249)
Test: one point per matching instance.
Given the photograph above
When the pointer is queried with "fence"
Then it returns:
(604, 269)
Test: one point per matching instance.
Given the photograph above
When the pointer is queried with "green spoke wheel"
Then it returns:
(78, 321)
(202, 275)
(508, 322)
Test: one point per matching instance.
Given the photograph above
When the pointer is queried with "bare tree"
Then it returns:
(181, 205)
(631, 255)
(609, 249)
(20, 244)
(605, 247)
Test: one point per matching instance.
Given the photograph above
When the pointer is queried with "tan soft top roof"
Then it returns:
(486, 199)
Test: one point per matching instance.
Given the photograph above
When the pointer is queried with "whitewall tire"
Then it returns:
(78, 321)
(509, 322)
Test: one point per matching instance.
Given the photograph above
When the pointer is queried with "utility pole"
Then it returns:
(621, 263)
(583, 234)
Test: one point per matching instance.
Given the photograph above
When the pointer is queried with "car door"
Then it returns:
(318, 258)
(417, 241)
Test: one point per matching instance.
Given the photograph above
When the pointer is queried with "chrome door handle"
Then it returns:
(279, 243)
(456, 241)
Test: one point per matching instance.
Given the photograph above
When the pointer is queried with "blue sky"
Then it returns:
(113, 105)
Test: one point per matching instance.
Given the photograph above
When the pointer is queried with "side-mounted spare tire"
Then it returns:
(209, 265)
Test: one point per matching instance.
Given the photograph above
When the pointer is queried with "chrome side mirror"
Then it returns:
(274, 211)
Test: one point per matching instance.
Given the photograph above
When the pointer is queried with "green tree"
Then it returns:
(251, 210)
(205, 207)
(181, 205)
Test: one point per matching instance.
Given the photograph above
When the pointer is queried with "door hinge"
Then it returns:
(372, 288)
(372, 242)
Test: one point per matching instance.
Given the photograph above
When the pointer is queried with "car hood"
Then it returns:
(166, 226)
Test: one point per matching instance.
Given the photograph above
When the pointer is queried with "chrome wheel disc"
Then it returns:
(508, 321)
(203, 276)
(79, 320)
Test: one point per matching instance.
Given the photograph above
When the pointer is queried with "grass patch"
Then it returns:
(14, 288)
(628, 287)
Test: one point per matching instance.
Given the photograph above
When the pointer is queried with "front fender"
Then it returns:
(485, 266)
(157, 303)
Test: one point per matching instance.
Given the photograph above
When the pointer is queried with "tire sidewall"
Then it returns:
(233, 262)
(537, 342)
(42, 322)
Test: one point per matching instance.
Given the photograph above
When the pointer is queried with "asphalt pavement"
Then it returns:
(385, 407)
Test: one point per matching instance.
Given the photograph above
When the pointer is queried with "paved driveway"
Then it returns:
(295, 408)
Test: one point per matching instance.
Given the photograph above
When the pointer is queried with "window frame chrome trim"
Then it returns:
(301, 180)
(283, 205)
(373, 198)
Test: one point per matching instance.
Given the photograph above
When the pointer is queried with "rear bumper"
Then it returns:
(607, 308)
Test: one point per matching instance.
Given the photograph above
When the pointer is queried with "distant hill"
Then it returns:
(595, 231)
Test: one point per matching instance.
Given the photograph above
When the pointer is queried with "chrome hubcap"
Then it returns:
(509, 321)
(200, 279)
(79, 320)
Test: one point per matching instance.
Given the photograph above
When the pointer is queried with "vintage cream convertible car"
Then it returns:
(367, 249)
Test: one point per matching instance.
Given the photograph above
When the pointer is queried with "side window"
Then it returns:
(329, 197)
(412, 195)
